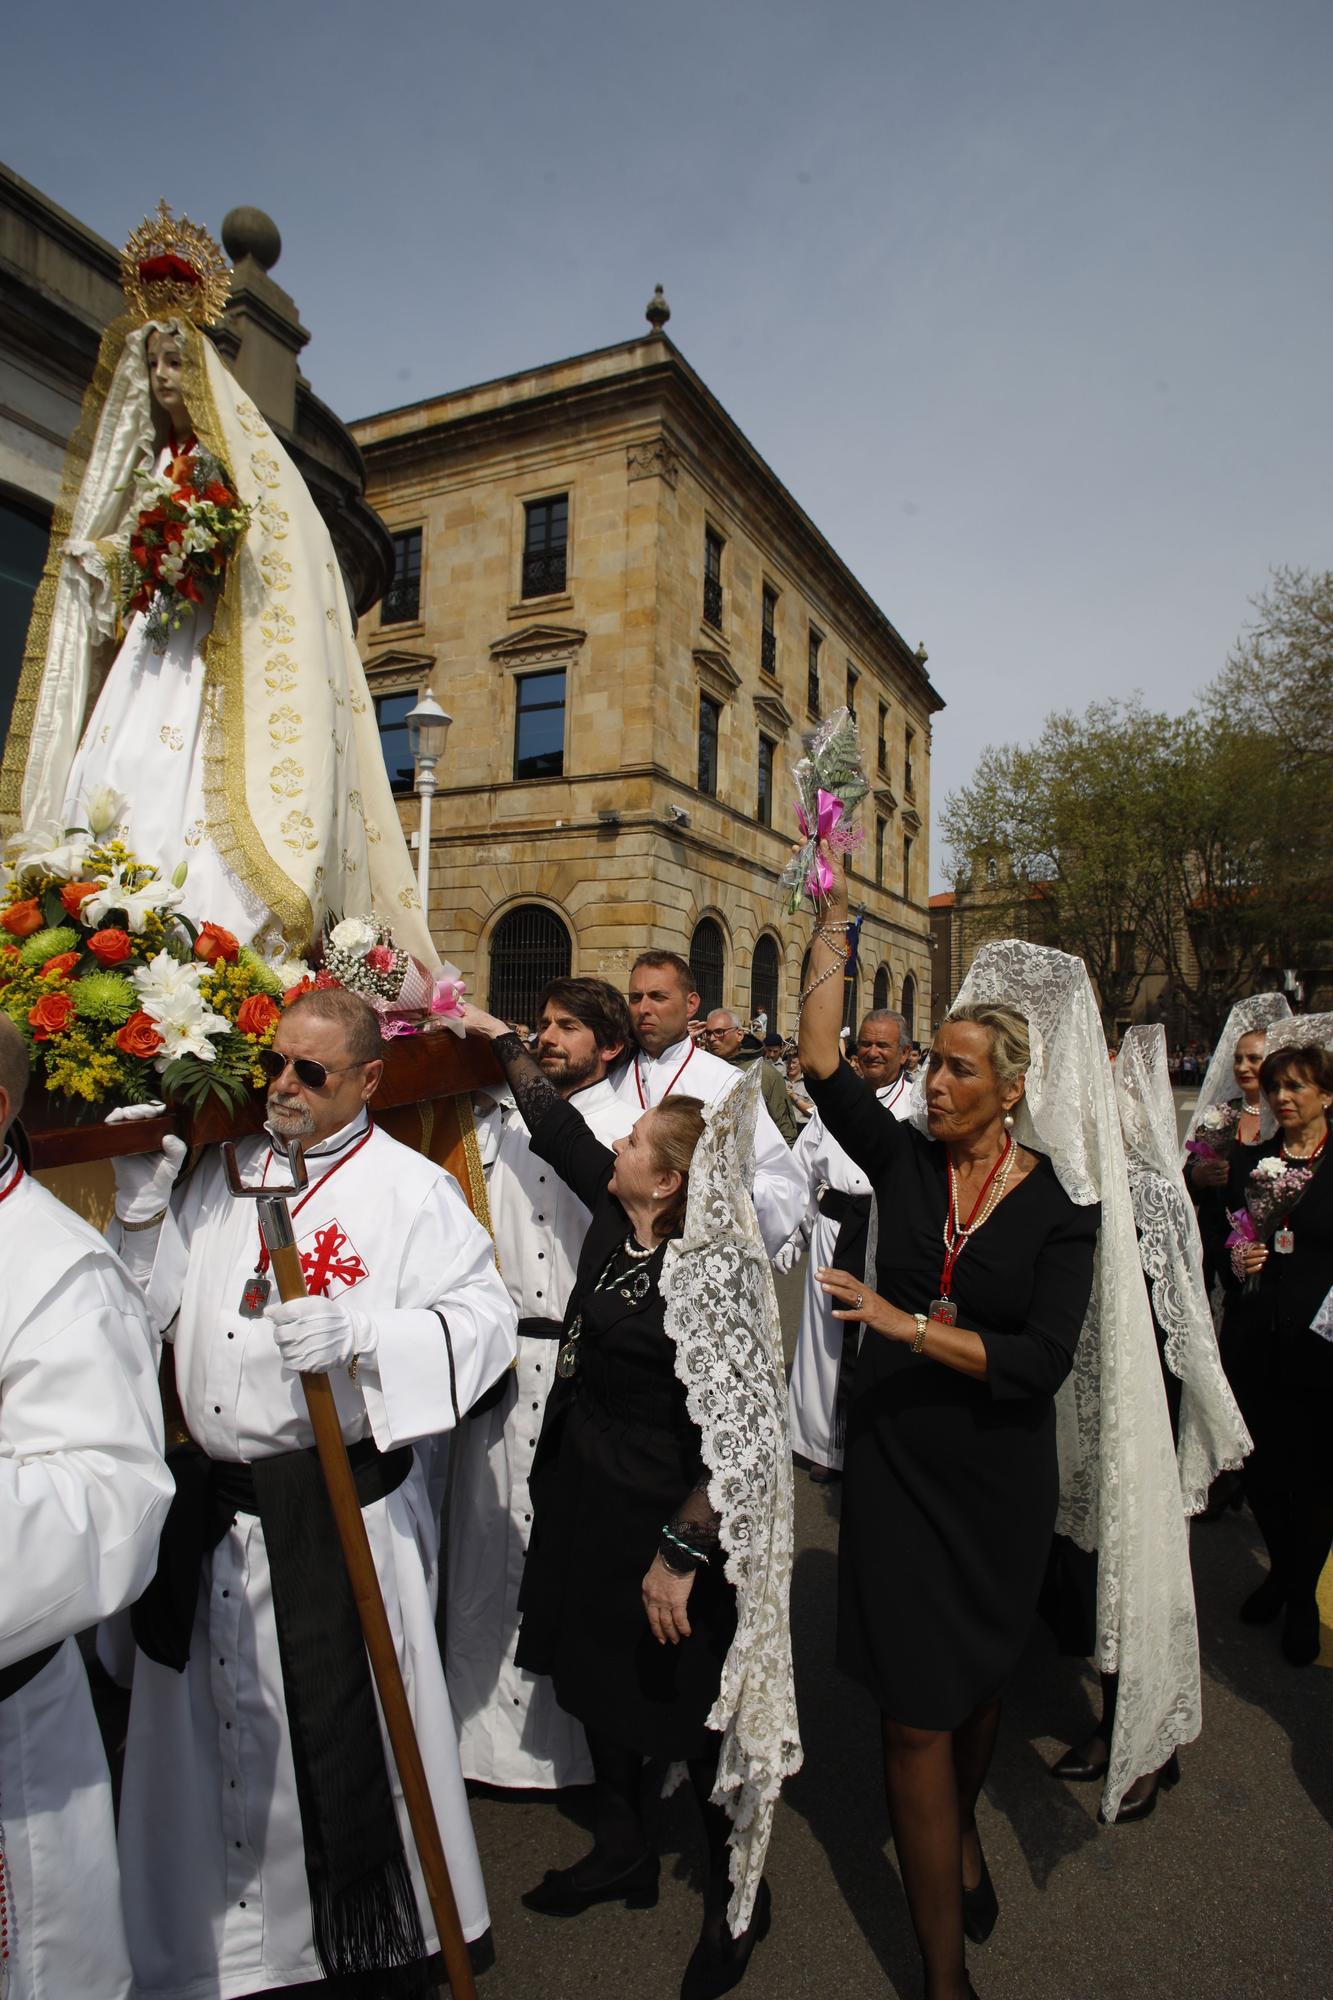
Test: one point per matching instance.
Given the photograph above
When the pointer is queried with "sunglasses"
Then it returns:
(304, 1068)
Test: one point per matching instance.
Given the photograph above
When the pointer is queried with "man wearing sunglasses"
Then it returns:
(256, 1789)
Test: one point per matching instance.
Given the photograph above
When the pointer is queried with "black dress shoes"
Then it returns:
(1300, 1631)
(1262, 1605)
(981, 1907)
(719, 1960)
(1141, 1797)
(565, 1892)
(1084, 1763)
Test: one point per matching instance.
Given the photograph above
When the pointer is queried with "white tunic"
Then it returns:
(685, 1070)
(511, 1730)
(813, 1392)
(216, 1901)
(145, 739)
(83, 1493)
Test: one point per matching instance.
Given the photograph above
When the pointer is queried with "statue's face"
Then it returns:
(166, 362)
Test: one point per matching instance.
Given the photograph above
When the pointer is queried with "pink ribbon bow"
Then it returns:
(829, 812)
(1242, 1228)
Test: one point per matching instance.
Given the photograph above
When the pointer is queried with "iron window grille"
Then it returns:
(712, 579)
(710, 718)
(708, 964)
(402, 600)
(545, 546)
(763, 811)
(529, 948)
(768, 634)
(812, 672)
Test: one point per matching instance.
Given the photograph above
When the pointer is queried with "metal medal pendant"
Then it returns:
(567, 1361)
(1284, 1242)
(255, 1296)
(944, 1312)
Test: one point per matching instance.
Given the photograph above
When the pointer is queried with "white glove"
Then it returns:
(789, 1255)
(144, 1180)
(315, 1336)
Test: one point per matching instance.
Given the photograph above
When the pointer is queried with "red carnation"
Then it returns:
(219, 495)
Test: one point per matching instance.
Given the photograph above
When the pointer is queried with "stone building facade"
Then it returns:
(632, 622)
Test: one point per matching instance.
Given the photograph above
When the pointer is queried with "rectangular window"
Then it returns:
(852, 679)
(907, 866)
(539, 725)
(881, 827)
(391, 713)
(763, 811)
(768, 635)
(812, 672)
(402, 600)
(545, 545)
(909, 781)
(882, 747)
(710, 717)
(712, 578)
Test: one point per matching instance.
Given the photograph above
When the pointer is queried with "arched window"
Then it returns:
(529, 947)
(708, 961)
(908, 1008)
(881, 998)
(764, 969)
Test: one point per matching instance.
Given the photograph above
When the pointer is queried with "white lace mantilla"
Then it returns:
(1260, 1012)
(722, 1318)
(1119, 1492)
(1213, 1437)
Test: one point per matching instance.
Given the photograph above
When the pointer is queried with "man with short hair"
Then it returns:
(662, 998)
(724, 1036)
(263, 1840)
(837, 1219)
(511, 1730)
(83, 1494)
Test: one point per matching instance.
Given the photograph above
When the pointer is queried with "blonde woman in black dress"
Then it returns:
(983, 1272)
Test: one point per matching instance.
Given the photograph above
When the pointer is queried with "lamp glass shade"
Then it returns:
(427, 729)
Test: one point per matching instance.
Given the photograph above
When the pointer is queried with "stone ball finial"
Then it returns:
(248, 232)
(657, 312)
(922, 655)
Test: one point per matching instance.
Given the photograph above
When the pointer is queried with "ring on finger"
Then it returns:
(859, 1300)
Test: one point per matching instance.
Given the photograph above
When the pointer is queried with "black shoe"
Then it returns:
(1084, 1763)
(1262, 1605)
(719, 1960)
(1139, 1808)
(981, 1907)
(560, 1893)
(1300, 1631)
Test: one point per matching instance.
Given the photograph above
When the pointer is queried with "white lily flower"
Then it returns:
(187, 1032)
(48, 848)
(105, 809)
(165, 985)
(138, 904)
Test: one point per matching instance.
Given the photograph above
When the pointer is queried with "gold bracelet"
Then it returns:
(921, 1324)
(152, 1222)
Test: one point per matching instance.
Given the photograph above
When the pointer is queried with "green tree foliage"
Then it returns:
(1199, 846)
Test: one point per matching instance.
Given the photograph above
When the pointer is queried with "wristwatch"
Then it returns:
(921, 1324)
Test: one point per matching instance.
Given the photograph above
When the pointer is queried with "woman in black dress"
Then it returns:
(624, 1602)
(1282, 1372)
(984, 1272)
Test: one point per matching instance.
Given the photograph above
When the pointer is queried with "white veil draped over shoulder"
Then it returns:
(1213, 1437)
(1299, 1030)
(722, 1318)
(1248, 1017)
(1119, 1489)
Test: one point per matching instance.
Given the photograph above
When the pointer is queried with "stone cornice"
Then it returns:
(771, 710)
(535, 645)
(716, 672)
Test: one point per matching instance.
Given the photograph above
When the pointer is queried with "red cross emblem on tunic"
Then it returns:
(330, 1261)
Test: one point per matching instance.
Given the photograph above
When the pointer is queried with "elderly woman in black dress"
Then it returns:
(624, 1601)
(984, 1272)
(1281, 1370)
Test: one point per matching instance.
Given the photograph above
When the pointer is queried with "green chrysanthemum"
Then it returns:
(103, 996)
(48, 944)
(264, 978)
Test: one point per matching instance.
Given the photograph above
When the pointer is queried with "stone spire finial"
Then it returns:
(657, 312)
(248, 232)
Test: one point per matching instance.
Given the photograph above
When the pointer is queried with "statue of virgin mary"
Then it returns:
(236, 732)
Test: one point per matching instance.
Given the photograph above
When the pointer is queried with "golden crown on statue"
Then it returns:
(172, 268)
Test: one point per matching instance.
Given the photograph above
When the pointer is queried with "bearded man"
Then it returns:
(263, 1841)
(662, 1001)
(511, 1730)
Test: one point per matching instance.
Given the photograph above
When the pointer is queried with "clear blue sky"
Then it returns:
(1028, 304)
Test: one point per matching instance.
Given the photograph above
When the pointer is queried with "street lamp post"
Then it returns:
(427, 729)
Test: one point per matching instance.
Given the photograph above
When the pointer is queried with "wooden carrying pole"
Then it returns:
(276, 1224)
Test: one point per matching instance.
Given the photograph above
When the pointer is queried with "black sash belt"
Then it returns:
(363, 1907)
(19, 1672)
(541, 1329)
